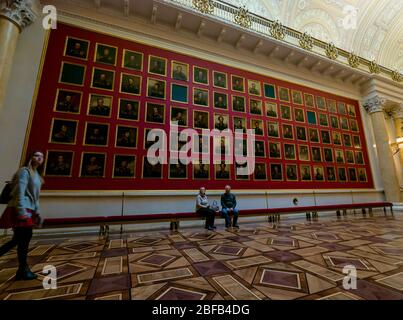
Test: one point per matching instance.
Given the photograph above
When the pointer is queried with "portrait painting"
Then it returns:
(76, 48)
(128, 109)
(336, 138)
(284, 94)
(180, 71)
(239, 124)
(220, 79)
(330, 174)
(72, 73)
(354, 125)
(96, 134)
(155, 113)
(341, 173)
(221, 146)
(105, 54)
(201, 171)
(257, 126)
(274, 150)
(339, 156)
(200, 75)
(291, 172)
(269, 90)
(328, 154)
(305, 172)
(271, 109)
(273, 129)
(59, 163)
(220, 100)
(179, 116)
(201, 144)
(362, 175)
(301, 133)
(303, 153)
(342, 108)
(350, 157)
(285, 112)
(179, 93)
(93, 165)
(238, 104)
(344, 123)
(255, 107)
(222, 171)
(320, 103)
(352, 174)
(152, 136)
(296, 97)
(325, 136)
(200, 119)
(68, 101)
(323, 120)
(178, 171)
(132, 60)
(309, 100)
(260, 171)
(254, 88)
(299, 115)
(276, 172)
(237, 83)
(126, 137)
(347, 140)
(200, 97)
(288, 132)
(356, 142)
(334, 122)
(100, 105)
(103, 79)
(157, 65)
(313, 135)
(318, 173)
(259, 149)
(351, 110)
(124, 166)
(156, 88)
(221, 121)
(359, 157)
(130, 84)
(331, 106)
(238, 171)
(151, 170)
(316, 154)
(63, 131)
(289, 151)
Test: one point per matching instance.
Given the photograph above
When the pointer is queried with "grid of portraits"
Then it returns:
(109, 97)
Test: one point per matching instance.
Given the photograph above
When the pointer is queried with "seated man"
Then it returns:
(228, 203)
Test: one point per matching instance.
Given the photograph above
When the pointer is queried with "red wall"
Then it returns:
(44, 113)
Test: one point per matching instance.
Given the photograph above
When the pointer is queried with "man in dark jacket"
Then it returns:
(228, 203)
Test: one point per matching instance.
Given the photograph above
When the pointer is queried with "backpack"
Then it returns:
(6, 196)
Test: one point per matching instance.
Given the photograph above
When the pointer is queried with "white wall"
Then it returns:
(14, 120)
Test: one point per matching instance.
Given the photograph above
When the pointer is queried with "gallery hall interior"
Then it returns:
(201, 150)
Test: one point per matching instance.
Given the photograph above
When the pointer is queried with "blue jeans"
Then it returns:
(225, 214)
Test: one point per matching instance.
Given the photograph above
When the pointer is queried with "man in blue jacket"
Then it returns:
(228, 203)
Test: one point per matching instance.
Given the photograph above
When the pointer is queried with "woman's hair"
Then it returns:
(39, 169)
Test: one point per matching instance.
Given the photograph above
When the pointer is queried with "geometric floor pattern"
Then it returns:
(294, 259)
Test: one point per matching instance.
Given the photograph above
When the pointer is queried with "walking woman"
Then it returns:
(203, 207)
(22, 212)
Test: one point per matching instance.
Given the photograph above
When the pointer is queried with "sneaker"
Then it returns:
(210, 228)
(236, 226)
(25, 274)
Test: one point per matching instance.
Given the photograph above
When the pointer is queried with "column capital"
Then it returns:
(374, 104)
(20, 12)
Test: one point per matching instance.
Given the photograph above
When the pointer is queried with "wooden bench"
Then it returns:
(273, 215)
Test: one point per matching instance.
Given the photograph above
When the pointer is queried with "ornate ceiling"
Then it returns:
(373, 29)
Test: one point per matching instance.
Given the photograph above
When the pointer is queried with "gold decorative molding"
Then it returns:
(374, 67)
(277, 30)
(353, 60)
(306, 41)
(204, 6)
(397, 76)
(243, 18)
(331, 51)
